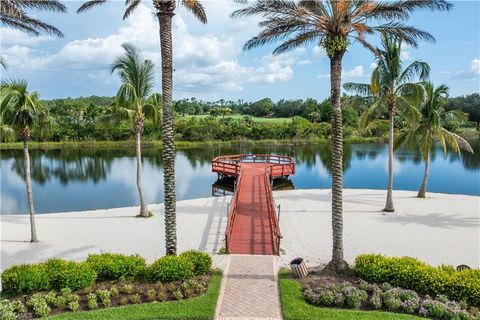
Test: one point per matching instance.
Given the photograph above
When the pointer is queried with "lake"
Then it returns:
(84, 179)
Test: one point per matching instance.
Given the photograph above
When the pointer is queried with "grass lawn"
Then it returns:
(239, 116)
(197, 308)
(294, 307)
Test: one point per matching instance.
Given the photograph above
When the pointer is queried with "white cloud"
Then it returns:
(304, 62)
(276, 67)
(16, 37)
(355, 72)
(373, 65)
(319, 51)
(471, 74)
(405, 55)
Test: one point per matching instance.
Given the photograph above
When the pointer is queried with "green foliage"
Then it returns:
(201, 261)
(104, 296)
(61, 302)
(39, 306)
(25, 278)
(73, 306)
(111, 266)
(126, 288)
(69, 274)
(170, 268)
(114, 291)
(413, 274)
(7, 310)
(342, 295)
(334, 44)
(92, 301)
(135, 298)
(151, 295)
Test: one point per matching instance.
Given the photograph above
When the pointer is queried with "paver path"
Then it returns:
(249, 289)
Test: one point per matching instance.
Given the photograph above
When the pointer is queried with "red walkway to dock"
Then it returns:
(253, 223)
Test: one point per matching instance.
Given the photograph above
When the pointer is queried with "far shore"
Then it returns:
(182, 144)
(441, 229)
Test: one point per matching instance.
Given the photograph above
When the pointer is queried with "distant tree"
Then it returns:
(23, 113)
(431, 128)
(469, 104)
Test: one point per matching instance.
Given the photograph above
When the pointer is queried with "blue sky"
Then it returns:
(209, 61)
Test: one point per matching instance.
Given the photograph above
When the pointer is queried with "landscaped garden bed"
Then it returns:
(441, 292)
(102, 281)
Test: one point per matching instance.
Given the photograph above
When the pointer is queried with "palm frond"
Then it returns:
(196, 7)
(416, 68)
(455, 141)
(131, 6)
(90, 4)
(362, 89)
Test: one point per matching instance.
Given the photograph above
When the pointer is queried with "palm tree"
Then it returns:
(430, 128)
(14, 14)
(22, 112)
(3, 63)
(165, 10)
(333, 24)
(131, 103)
(391, 89)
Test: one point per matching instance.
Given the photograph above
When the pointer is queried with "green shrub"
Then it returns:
(354, 298)
(170, 268)
(126, 288)
(113, 266)
(135, 298)
(114, 291)
(7, 310)
(25, 278)
(61, 302)
(201, 261)
(123, 301)
(92, 301)
(73, 306)
(151, 295)
(39, 306)
(69, 274)
(104, 296)
(376, 299)
(413, 274)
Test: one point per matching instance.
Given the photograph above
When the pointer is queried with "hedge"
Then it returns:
(411, 273)
(58, 274)
(112, 266)
(170, 268)
(202, 262)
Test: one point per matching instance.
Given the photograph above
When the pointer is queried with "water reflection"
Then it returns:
(81, 179)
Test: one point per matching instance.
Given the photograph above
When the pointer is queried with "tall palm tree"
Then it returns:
(430, 129)
(13, 14)
(22, 112)
(137, 81)
(391, 89)
(333, 24)
(165, 10)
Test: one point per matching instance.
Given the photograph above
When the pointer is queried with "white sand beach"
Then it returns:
(440, 229)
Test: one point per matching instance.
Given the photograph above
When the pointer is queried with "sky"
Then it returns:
(208, 59)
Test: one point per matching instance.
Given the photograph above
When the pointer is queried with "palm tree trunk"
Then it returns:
(337, 263)
(28, 183)
(138, 151)
(389, 203)
(165, 20)
(423, 188)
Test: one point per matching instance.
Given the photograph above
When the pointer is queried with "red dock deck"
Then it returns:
(253, 223)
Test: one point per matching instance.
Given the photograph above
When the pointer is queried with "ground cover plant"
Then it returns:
(102, 281)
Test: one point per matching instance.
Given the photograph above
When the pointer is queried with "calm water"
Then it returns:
(71, 180)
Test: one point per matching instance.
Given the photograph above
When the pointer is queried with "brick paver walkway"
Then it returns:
(249, 289)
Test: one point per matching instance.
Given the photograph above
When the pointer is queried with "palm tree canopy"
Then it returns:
(13, 14)
(391, 83)
(20, 109)
(334, 23)
(194, 6)
(430, 128)
(137, 75)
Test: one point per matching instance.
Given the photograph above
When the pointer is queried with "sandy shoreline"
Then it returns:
(443, 228)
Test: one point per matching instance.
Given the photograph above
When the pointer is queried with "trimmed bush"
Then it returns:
(69, 274)
(114, 266)
(201, 261)
(413, 274)
(25, 278)
(170, 268)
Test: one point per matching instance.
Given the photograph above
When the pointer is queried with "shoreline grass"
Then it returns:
(294, 307)
(181, 144)
(199, 308)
